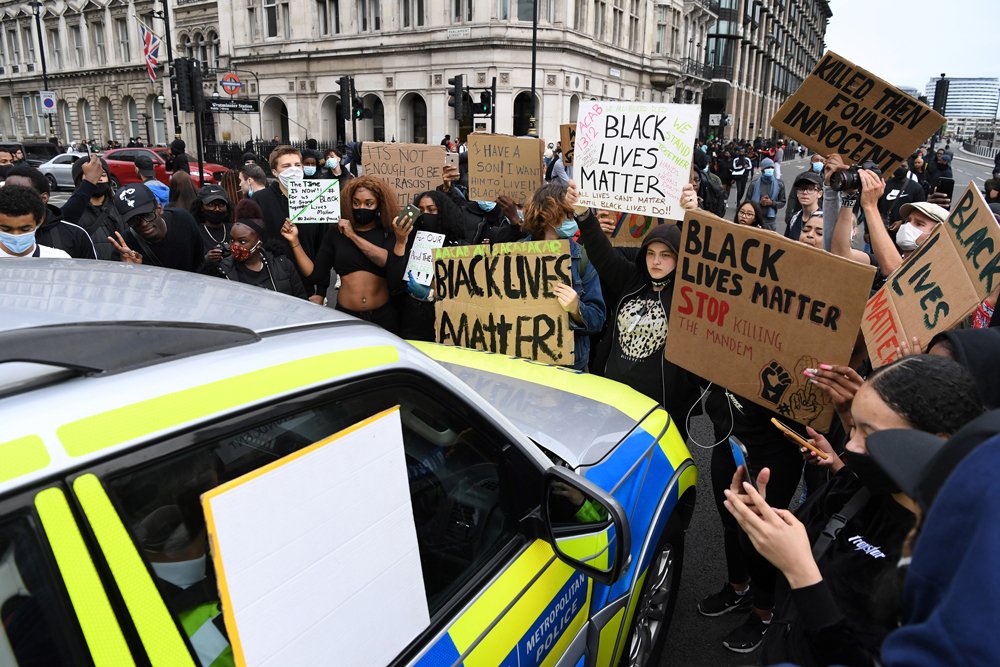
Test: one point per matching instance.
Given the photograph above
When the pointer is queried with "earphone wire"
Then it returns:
(687, 420)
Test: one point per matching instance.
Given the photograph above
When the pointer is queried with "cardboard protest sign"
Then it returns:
(842, 108)
(421, 262)
(348, 489)
(937, 286)
(314, 200)
(567, 141)
(632, 228)
(751, 310)
(409, 168)
(504, 166)
(500, 299)
(635, 157)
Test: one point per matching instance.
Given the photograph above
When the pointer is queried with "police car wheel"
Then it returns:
(647, 638)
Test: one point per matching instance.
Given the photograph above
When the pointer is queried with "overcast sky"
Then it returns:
(907, 42)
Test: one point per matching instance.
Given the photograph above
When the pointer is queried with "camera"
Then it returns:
(849, 180)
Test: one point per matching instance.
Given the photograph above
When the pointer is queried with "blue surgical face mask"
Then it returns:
(487, 206)
(818, 167)
(769, 172)
(18, 243)
(704, 148)
(309, 170)
(331, 163)
(567, 229)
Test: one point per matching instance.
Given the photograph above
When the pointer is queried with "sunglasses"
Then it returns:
(140, 219)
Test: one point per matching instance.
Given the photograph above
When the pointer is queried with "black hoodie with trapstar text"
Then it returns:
(633, 345)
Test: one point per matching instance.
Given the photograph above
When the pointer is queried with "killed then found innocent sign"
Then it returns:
(841, 108)
(751, 309)
(409, 168)
(634, 157)
(937, 286)
(500, 299)
(504, 166)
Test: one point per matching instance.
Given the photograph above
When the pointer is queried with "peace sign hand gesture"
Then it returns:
(128, 255)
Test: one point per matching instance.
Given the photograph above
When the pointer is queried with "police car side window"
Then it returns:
(33, 622)
(462, 512)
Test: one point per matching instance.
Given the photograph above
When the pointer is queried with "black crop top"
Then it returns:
(344, 256)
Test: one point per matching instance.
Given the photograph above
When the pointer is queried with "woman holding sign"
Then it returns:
(633, 345)
(357, 248)
(439, 224)
(549, 216)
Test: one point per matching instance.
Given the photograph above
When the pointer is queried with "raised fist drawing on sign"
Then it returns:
(774, 382)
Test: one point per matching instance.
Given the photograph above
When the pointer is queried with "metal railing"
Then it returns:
(694, 68)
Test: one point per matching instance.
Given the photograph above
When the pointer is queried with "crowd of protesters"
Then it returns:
(888, 557)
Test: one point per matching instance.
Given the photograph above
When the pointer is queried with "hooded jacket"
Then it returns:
(633, 343)
(978, 350)
(57, 233)
(952, 582)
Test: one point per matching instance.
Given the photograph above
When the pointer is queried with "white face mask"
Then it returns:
(906, 237)
(290, 174)
(183, 573)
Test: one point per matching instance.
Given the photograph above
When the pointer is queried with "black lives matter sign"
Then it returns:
(751, 310)
(842, 108)
(500, 299)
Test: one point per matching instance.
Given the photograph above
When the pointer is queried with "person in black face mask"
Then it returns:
(839, 551)
(213, 213)
(438, 215)
(357, 248)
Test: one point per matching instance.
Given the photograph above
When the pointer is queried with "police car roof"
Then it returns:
(58, 291)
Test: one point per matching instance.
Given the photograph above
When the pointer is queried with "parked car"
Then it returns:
(59, 170)
(541, 511)
(35, 153)
(121, 163)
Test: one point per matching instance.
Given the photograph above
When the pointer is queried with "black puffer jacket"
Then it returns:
(282, 272)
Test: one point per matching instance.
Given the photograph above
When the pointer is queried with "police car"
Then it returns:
(547, 507)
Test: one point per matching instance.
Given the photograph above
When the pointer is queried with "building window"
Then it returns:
(97, 38)
(86, 120)
(504, 10)
(121, 36)
(369, 15)
(270, 18)
(617, 16)
(252, 27)
(412, 13)
(286, 20)
(159, 121)
(212, 42)
(599, 8)
(29, 115)
(633, 25)
(67, 121)
(55, 48)
(77, 36)
(111, 126)
(132, 117)
(661, 30)
(580, 18)
(462, 10)
(15, 50)
(29, 47)
(525, 9)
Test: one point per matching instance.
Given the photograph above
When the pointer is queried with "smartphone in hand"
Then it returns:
(740, 457)
(798, 439)
(451, 160)
(945, 186)
(409, 214)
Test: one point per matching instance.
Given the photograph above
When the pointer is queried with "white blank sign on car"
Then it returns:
(316, 554)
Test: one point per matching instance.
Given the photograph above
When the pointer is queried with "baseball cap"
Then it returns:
(212, 192)
(144, 164)
(132, 200)
(810, 177)
(932, 211)
(920, 463)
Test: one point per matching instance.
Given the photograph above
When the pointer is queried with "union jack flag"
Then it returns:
(150, 49)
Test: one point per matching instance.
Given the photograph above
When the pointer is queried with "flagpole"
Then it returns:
(165, 15)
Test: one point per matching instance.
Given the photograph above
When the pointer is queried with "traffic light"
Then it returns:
(941, 95)
(182, 83)
(197, 91)
(345, 95)
(485, 105)
(358, 105)
(457, 95)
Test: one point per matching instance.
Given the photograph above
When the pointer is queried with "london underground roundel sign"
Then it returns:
(231, 83)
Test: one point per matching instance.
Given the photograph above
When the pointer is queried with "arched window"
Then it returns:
(159, 120)
(213, 50)
(86, 120)
(132, 118)
(110, 126)
(66, 122)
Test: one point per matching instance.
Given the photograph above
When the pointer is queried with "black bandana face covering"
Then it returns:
(870, 474)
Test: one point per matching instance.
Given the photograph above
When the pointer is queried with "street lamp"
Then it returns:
(36, 8)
